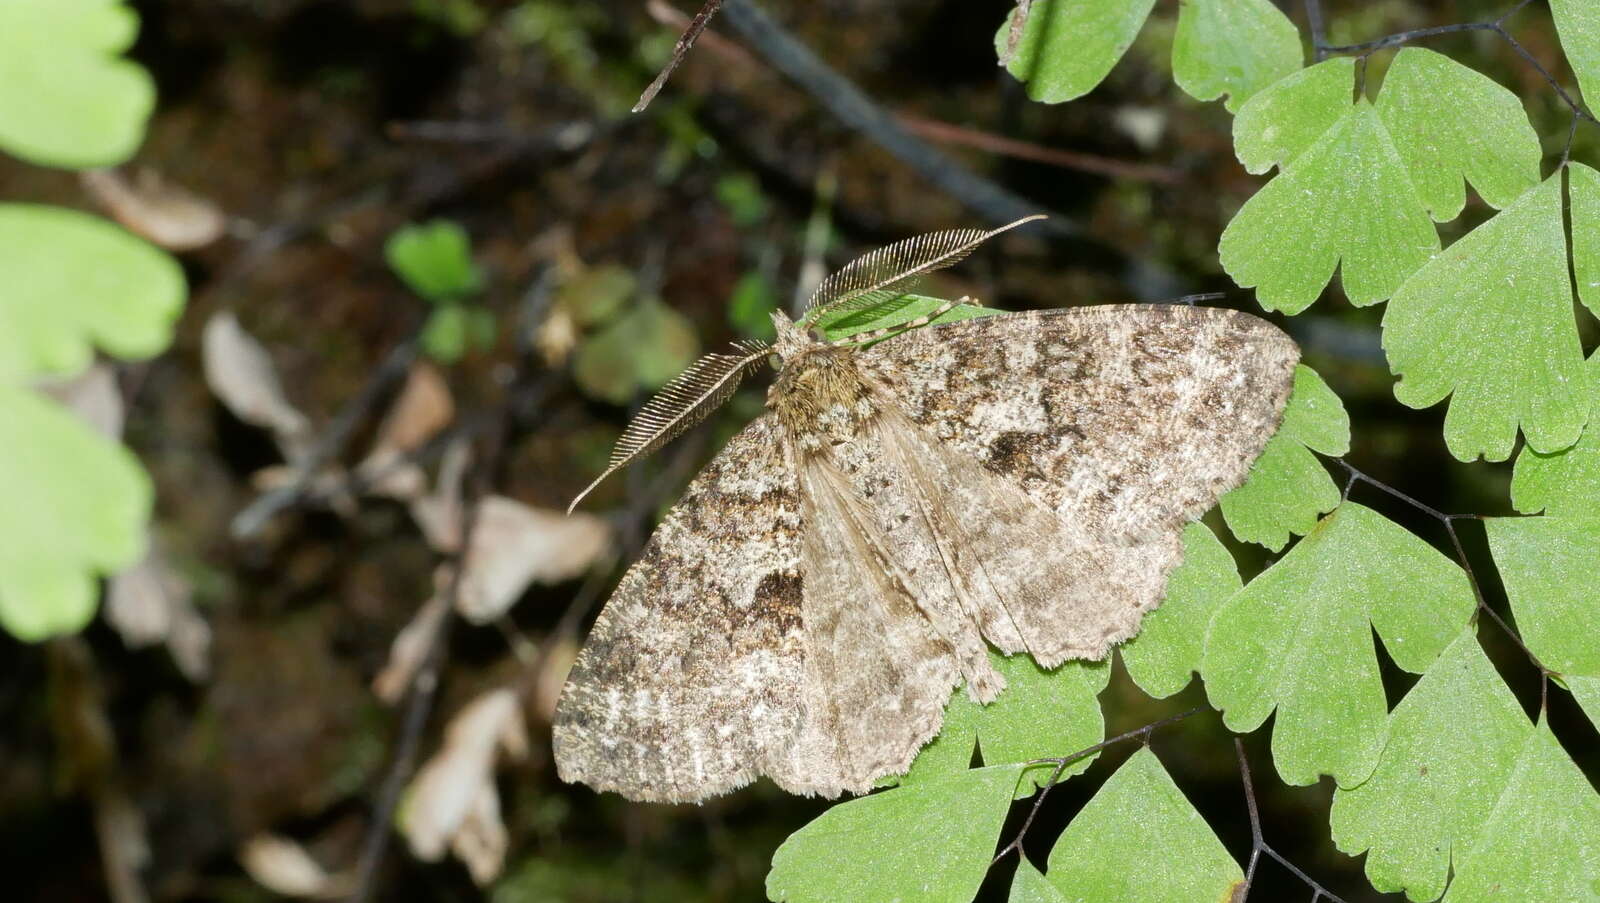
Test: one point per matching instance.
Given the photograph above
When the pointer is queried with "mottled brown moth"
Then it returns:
(1018, 481)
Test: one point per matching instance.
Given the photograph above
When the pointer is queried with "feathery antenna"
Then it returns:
(894, 269)
(683, 402)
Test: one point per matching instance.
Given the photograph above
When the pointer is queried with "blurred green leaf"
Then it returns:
(1040, 713)
(1277, 643)
(462, 18)
(751, 305)
(1139, 838)
(597, 295)
(669, 343)
(639, 351)
(444, 336)
(1164, 655)
(434, 260)
(1288, 488)
(1548, 567)
(1541, 839)
(1233, 47)
(740, 194)
(456, 329)
(76, 508)
(73, 282)
(930, 843)
(1578, 24)
(66, 97)
(1482, 135)
(1489, 322)
(1069, 46)
(481, 327)
(1449, 749)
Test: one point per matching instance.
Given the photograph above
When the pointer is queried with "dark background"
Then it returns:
(299, 117)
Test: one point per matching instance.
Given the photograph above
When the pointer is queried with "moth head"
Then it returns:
(815, 379)
(792, 338)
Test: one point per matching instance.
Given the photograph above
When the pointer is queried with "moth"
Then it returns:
(1018, 481)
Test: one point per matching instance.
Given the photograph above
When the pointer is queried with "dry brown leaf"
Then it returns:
(409, 649)
(452, 803)
(423, 408)
(481, 841)
(241, 374)
(559, 654)
(556, 338)
(124, 844)
(330, 486)
(93, 396)
(1144, 125)
(284, 867)
(171, 216)
(514, 545)
(150, 603)
(438, 514)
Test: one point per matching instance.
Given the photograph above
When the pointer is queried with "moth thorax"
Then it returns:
(819, 395)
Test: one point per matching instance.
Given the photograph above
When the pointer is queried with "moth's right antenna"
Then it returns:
(683, 402)
(894, 269)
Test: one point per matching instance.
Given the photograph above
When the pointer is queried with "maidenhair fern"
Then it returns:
(1455, 792)
(77, 505)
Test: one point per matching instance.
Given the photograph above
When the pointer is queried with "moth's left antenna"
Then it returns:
(682, 403)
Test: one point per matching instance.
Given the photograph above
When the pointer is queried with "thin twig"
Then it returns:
(424, 688)
(1495, 25)
(814, 245)
(1192, 300)
(1318, 34)
(1061, 763)
(423, 691)
(419, 704)
(1366, 48)
(1577, 108)
(1449, 522)
(709, 42)
(563, 137)
(679, 51)
(1566, 149)
(248, 522)
(852, 107)
(935, 130)
(1258, 843)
